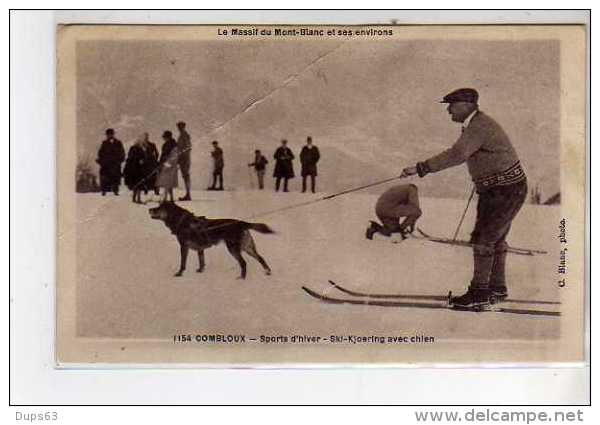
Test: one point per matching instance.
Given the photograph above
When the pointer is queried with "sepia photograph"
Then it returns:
(239, 195)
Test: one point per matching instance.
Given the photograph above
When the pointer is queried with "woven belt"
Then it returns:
(511, 175)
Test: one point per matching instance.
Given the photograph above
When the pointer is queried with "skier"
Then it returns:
(396, 202)
(500, 183)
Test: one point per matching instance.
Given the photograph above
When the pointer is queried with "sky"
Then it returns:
(371, 107)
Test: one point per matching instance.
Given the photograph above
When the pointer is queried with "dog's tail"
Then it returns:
(260, 227)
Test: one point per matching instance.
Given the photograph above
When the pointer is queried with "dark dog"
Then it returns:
(199, 233)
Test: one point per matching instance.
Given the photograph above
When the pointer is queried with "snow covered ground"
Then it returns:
(126, 262)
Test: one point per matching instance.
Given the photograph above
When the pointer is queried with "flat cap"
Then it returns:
(461, 95)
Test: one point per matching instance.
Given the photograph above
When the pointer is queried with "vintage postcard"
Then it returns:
(321, 195)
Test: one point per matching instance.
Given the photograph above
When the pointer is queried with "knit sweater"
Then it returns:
(486, 149)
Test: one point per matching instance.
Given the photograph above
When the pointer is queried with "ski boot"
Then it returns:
(372, 229)
(474, 299)
(500, 292)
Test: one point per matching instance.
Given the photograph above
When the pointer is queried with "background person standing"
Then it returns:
(218, 164)
(284, 169)
(309, 156)
(110, 157)
(167, 177)
(134, 171)
(260, 165)
(184, 147)
(150, 165)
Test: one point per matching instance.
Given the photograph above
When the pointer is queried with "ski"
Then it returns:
(424, 297)
(374, 302)
(427, 305)
(459, 242)
(388, 296)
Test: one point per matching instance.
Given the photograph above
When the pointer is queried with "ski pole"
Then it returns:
(464, 214)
